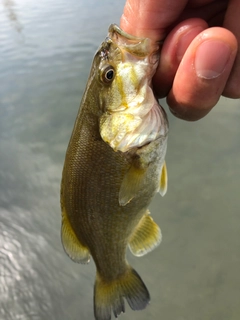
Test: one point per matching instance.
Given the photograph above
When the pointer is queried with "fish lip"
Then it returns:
(141, 47)
(124, 42)
(114, 28)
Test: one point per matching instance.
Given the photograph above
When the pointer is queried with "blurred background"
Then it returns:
(46, 49)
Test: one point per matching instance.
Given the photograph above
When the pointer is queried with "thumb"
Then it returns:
(150, 18)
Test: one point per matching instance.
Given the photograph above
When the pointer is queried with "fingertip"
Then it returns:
(202, 74)
(185, 111)
(173, 49)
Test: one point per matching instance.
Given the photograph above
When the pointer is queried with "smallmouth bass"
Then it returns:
(114, 166)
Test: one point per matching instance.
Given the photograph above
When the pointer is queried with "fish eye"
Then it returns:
(108, 74)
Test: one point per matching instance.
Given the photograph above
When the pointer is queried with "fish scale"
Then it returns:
(114, 166)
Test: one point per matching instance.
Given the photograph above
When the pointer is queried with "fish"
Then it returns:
(114, 166)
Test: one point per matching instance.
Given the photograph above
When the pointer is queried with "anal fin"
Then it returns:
(72, 246)
(145, 237)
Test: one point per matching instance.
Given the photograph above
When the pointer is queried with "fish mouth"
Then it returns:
(113, 28)
(140, 47)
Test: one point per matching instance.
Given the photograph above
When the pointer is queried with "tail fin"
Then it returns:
(108, 296)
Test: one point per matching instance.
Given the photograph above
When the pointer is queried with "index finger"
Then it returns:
(150, 18)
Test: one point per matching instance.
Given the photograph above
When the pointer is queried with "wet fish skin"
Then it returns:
(114, 166)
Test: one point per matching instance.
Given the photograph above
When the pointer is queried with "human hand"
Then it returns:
(200, 59)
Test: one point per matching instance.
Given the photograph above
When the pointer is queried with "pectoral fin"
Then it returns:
(163, 180)
(146, 236)
(131, 184)
(72, 246)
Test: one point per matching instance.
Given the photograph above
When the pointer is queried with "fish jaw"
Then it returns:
(140, 47)
(131, 114)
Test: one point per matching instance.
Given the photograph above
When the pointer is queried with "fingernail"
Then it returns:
(185, 39)
(211, 59)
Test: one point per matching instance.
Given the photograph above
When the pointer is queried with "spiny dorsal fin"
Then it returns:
(108, 296)
(146, 236)
(163, 180)
(131, 184)
(72, 246)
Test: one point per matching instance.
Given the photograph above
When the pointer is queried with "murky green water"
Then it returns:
(46, 48)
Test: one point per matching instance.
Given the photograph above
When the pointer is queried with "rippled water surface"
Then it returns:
(46, 48)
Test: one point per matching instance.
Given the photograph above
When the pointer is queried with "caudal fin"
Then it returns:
(109, 296)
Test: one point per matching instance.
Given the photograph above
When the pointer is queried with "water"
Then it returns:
(45, 55)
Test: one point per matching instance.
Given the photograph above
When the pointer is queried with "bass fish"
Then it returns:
(114, 166)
